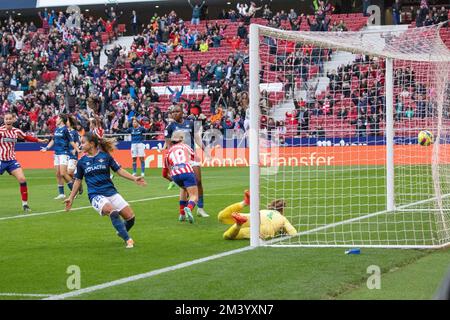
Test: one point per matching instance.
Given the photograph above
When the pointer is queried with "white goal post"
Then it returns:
(339, 142)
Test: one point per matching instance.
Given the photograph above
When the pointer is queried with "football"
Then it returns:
(425, 138)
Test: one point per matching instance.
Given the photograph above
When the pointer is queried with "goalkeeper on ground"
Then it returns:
(272, 221)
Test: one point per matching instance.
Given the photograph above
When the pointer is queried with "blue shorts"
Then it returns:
(185, 180)
(9, 166)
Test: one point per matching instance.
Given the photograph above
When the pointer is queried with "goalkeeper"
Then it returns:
(272, 221)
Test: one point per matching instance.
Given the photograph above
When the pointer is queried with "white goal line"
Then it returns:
(141, 276)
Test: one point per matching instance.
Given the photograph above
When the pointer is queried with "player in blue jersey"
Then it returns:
(61, 142)
(95, 167)
(73, 155)
(192, 137)
(137, 145)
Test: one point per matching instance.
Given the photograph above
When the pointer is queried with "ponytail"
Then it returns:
(107, 145)
(72, 121)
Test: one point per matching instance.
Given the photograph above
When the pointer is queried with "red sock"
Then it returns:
(24, 191)
(191, 205)
(182, 206)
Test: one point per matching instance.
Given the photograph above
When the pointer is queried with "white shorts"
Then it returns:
(137, 150)
(72, 164)
(61, 160)
(116, 201)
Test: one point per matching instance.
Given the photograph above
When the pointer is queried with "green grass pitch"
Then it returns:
(37, 250)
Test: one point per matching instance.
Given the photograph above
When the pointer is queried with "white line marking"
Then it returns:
(24, 295)
(78, 209)
(145, 275)
(20, 216)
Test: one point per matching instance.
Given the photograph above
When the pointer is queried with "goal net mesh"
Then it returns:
(323, 110)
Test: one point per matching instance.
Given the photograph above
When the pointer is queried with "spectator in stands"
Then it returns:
(409, 113)
(204, 46)
(134, 23)
(194, 70)
(421, 107)
(398, 109)
(242, 9)
(196, 12)
(267, 12)
(233, 16)
(339, 26)
(194, 106)
(235, 43)
(443, 15)
(295, 21)
(366, 5)
(176, 94)
(223, 15)
(314, 26)
(396, 11)
(252, 10)
(242, 32)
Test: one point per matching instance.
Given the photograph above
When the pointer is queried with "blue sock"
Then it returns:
(183, 203)
(134, 166)
(200, 202)
(142, 166)
(61, 189)
(119, 225)
(70, 185)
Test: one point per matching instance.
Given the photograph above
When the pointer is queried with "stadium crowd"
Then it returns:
(55, 68)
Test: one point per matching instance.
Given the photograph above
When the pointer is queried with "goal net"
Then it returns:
(335, 118)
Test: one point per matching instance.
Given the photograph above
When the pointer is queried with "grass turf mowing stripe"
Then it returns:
(80, 208)
(153, 273)
(87, 207)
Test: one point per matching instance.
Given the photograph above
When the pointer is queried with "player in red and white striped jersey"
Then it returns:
(8, 138)
(177, 168)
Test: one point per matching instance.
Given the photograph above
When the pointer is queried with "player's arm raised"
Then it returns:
(125, 174)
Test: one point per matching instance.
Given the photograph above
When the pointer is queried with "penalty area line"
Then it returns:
(146, 275)
(79, 208)
(37, 295)
(21, 216)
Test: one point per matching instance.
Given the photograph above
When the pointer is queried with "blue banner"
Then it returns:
(18, 4)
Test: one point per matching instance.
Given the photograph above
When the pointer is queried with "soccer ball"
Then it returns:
(425, 138)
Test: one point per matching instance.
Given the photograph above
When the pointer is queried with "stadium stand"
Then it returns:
(51, 69)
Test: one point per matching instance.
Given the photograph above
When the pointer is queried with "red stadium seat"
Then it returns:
(121, 28)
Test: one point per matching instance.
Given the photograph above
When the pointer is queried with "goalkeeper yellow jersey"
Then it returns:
(272, 223)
